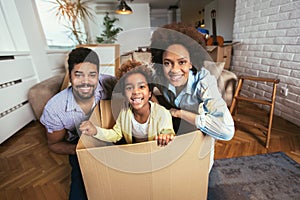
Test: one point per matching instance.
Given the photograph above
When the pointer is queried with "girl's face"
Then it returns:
(137, 91)
(176, 65)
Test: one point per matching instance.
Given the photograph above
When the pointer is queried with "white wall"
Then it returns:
(207, 17)
(190, 12)
(224, 17)
(226, 11)
(24, 60)
(35, 37)
(160, 17)
(268, 33)
(22, 32)
(135, 26)
(12, 34)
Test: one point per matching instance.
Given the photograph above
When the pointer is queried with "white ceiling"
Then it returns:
(159, 4)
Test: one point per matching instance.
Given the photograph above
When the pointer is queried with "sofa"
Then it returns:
(40, 93)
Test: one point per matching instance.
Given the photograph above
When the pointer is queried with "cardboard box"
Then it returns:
(144, 171)
(221, 54)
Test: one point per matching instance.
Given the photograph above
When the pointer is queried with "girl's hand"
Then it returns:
(164, 139)
(88, 128)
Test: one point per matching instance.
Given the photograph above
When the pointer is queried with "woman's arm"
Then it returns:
(213, 116)
(219, 126)
(183, 114)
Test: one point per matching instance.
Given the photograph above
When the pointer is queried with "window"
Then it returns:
(56, 30)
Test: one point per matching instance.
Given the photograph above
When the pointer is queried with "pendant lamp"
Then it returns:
(123, 8)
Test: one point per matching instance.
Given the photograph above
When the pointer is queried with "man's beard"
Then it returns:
(84, 96)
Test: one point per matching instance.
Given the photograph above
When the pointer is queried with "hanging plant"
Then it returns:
(109, 34)
(74, 12)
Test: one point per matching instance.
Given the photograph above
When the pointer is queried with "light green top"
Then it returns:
(160, 122)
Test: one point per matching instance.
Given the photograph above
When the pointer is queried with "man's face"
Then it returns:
(176, 65)
(84, 80)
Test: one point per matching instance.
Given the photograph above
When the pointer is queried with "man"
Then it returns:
(65, 111)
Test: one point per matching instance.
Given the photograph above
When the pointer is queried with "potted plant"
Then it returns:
(109, 34)
(75, 12)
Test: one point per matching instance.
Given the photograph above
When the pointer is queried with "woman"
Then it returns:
(187, 88)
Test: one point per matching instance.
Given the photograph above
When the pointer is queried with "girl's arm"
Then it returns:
(166, 132)
(108, 135)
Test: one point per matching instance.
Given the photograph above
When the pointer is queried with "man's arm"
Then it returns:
(57, 143)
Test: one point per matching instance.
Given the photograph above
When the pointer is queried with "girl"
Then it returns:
(140, 119)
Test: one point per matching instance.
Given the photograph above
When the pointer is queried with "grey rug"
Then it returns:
(264, 177)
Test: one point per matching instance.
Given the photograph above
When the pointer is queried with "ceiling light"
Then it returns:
(123, 8)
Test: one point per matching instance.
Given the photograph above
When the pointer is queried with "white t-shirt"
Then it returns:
(140, 131)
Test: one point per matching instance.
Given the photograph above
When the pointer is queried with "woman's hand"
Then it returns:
(88, 128)
(175, 113)
(164, 139)
(185, 115)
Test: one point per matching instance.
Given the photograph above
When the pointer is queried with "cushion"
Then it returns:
(215, 68)
(40, 93)
(66, 82)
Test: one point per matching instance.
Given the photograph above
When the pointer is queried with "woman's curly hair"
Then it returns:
(178, 33)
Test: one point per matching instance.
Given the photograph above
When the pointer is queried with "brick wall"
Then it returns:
(269, 36)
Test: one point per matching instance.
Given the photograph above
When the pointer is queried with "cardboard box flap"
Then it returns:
(102, 114)
(95, 116)
(211, 48)
(149, 156)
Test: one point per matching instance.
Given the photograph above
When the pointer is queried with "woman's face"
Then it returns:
(176, 65)
(137, 91)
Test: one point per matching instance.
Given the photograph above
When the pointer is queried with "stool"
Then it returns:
(242, 117)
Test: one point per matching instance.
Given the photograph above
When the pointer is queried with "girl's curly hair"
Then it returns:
(126, 66)
(134, 67)
(178, 33)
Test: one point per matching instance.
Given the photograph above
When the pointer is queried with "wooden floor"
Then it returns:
(29, 171)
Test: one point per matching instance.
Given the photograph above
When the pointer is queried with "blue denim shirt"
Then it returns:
(201, 96)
